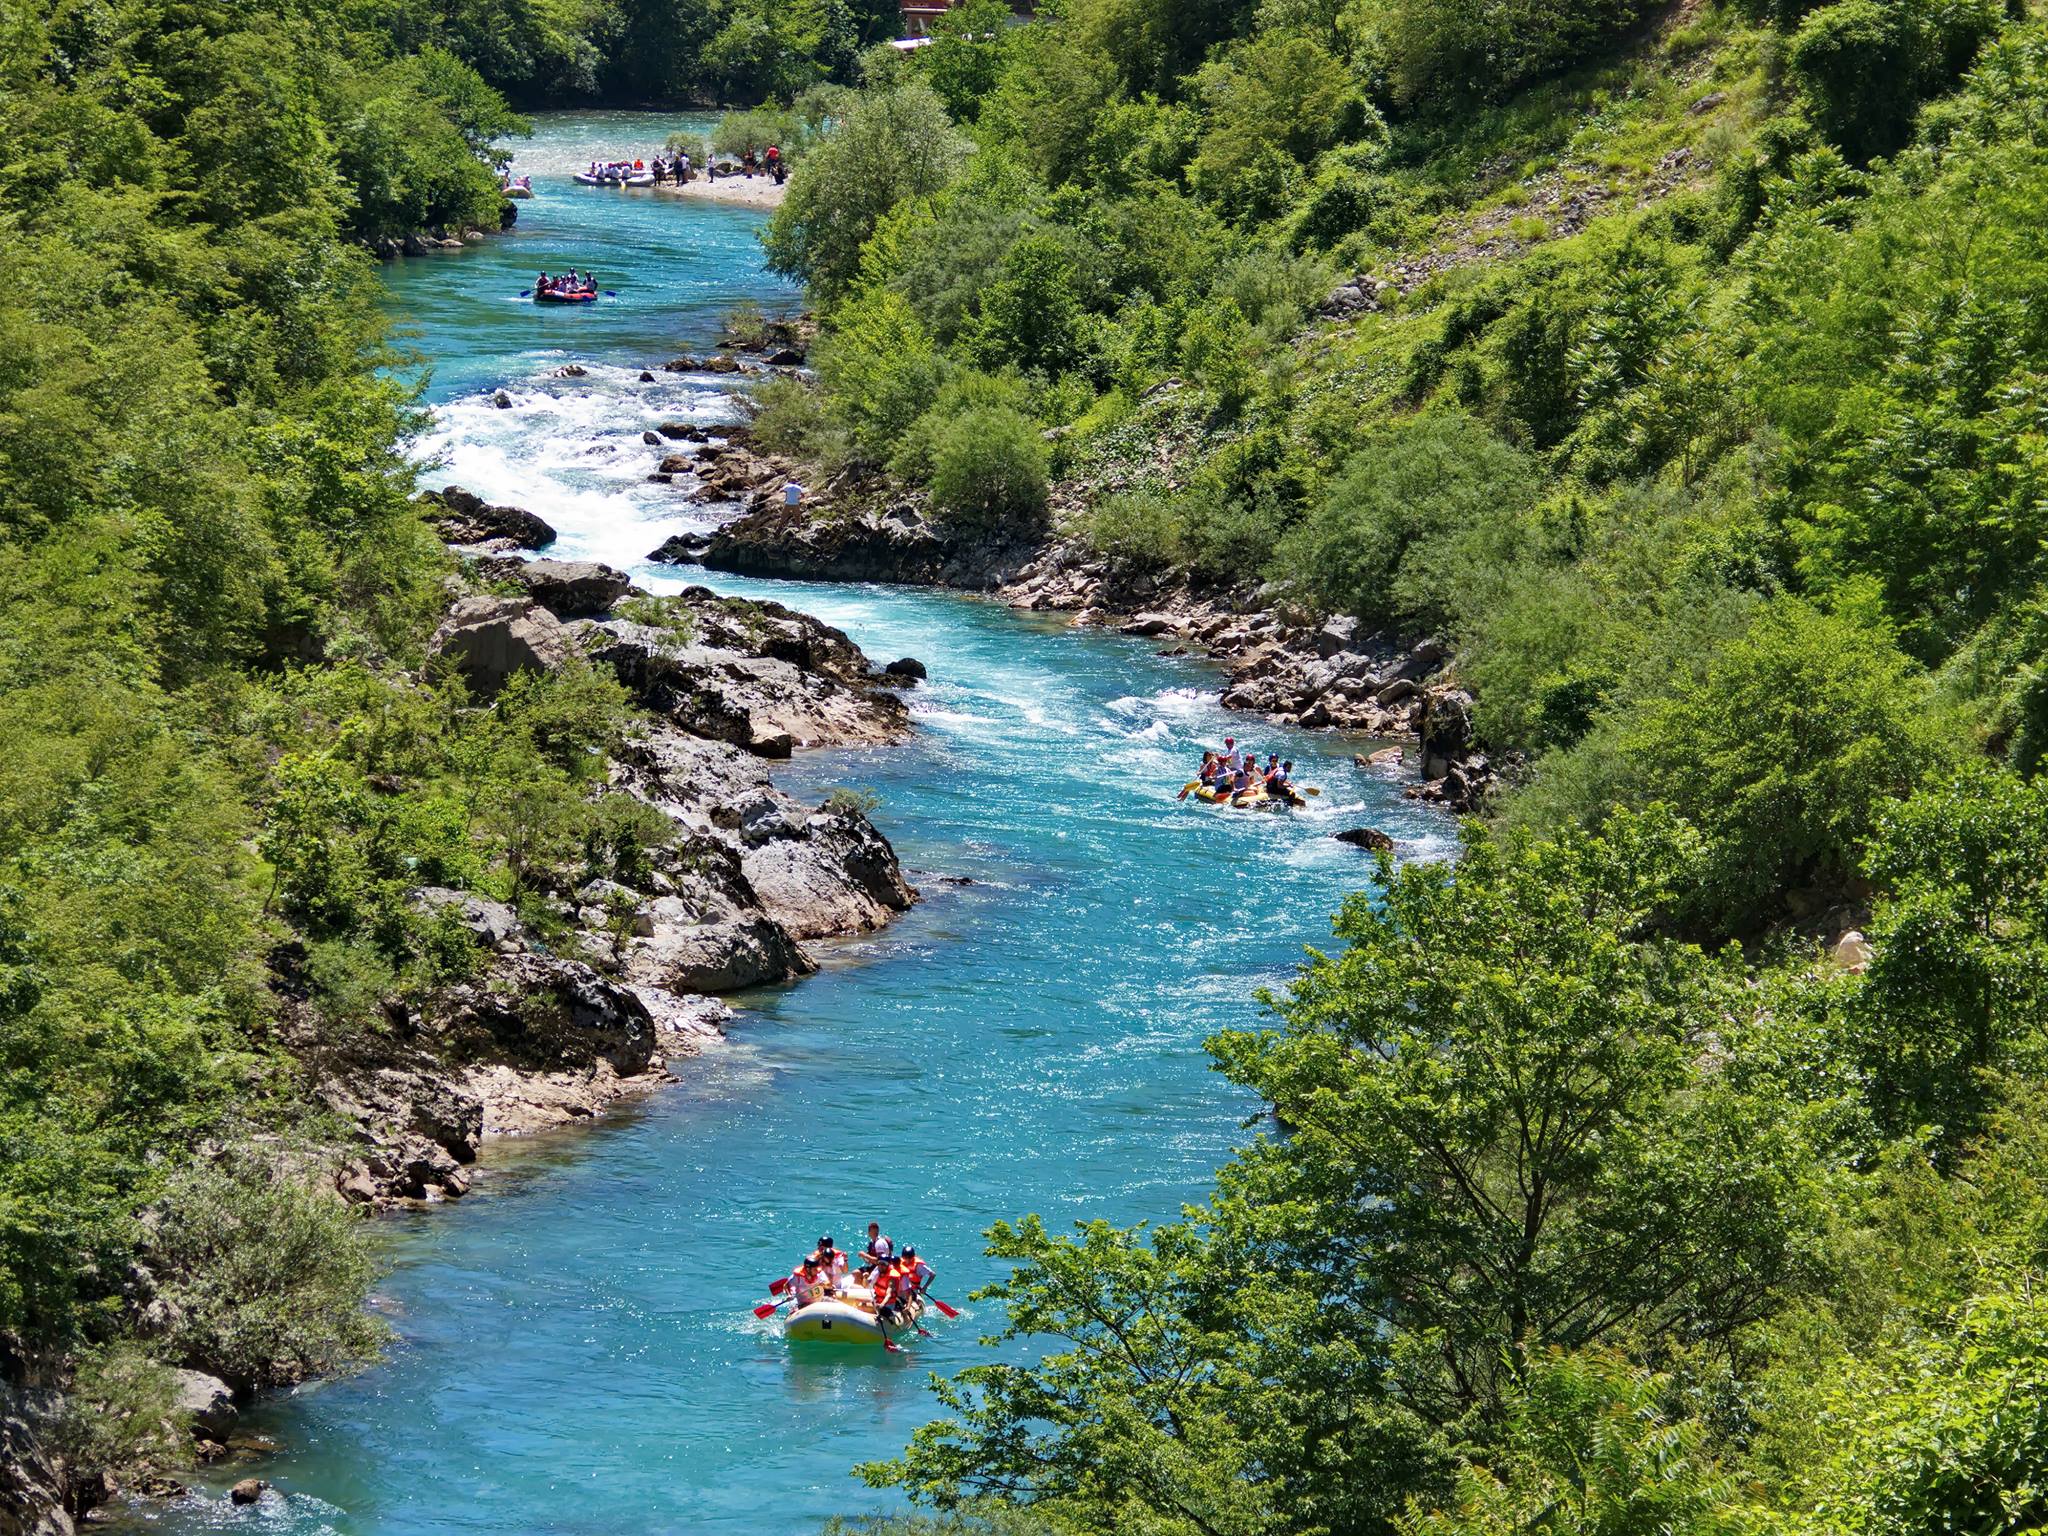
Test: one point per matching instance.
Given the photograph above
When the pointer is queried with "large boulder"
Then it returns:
(492, 639)
(1445, 729)
(686, 953)
(461, 517)
(492, 921)
(832, 874)
(543, 1012)
(206, 1402)
(1336, 635)
(574, 589)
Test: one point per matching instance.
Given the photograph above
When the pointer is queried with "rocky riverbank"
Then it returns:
(558, 1026)
(742, 881)
(1281, 664)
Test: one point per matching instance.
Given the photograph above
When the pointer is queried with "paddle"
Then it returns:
(944, 1310)
(777, 1287)
(768, 1306)
(526, 293)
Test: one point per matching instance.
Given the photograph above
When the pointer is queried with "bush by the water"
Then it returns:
(989, 469)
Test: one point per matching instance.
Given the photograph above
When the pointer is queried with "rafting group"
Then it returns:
(1235, 779)
(570, 287)
(836, 1300)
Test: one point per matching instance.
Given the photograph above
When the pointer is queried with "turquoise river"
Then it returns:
(575, 1348)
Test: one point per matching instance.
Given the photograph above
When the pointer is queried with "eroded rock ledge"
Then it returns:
(555, 1028)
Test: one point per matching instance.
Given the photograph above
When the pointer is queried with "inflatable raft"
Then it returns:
(550, 296)
(1250, 800)
(837, 1321)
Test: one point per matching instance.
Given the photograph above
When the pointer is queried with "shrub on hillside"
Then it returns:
(1411, 525)
(892, 146)
(261, 1270)
(1866, 65)
(1786, 750)
(989, 469)
(1135, 530)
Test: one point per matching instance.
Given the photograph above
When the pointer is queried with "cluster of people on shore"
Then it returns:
(1233, 773)
(883, 1281)
(570, 281)
(769, 163)
(672, 172)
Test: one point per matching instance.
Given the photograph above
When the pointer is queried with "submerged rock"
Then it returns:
(1366, 837)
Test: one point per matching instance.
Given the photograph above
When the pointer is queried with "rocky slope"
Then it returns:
(555, 1028)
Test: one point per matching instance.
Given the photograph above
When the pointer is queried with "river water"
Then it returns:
(575, 1350)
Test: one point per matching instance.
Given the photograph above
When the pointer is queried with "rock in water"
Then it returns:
(1366, 837)
(680, 549)
(502, 400)
(248, 1490)
(908, 667)
(461, 517)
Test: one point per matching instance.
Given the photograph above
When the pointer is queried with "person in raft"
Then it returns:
(1218, 769)
(806, 1284)
(880, 1251)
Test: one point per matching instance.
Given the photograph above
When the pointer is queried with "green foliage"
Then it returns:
(262, 1271)
(1866, 66)
(1271, 103)
(851, 802)
(121, 1409)
(891, 148)
(1785, 752)
(1955, 989)
(1589, 1448)
(1435, 46)
(965, 57)
(989, 469)
(879, 367)
(1946, 1432)
(1496, 1148)
(1414, 525)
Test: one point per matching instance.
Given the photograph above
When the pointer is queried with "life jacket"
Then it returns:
(885, 1284)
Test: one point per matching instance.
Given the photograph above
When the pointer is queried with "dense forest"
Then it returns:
(214, 599)
(1679, 367)
(650, 52)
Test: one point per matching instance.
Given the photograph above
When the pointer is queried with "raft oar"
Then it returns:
(944, 1310)
(777, 1287)
(768, 1306)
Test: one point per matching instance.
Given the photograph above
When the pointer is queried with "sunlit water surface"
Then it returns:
(575, 1350)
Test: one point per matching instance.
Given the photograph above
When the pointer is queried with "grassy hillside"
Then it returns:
(1680, 366)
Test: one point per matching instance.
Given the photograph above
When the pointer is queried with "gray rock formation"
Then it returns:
(573, 589)
(207, 1402)
(467, 520)
(491, 639)
(31, 1482)
(895, 545)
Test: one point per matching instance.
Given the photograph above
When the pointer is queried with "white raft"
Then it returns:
(832, 1320)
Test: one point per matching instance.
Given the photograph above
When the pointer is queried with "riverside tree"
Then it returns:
(1495, 1145)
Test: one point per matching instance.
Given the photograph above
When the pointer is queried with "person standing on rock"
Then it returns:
(792, 495)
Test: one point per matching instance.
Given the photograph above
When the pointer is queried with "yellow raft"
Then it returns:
(1250, 800)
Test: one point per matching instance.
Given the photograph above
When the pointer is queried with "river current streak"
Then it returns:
(576, 1352)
